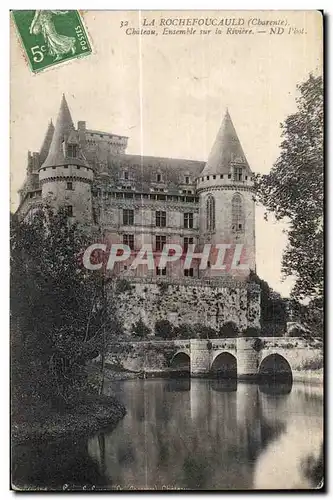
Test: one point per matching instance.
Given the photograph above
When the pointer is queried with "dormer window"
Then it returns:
(187, 179)
(72, 150)
(126, 176)
(159, 177)
(238, 173)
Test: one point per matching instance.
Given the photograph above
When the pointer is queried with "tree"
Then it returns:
(228, 330)
(294, 190)
(273, 309)
(140, 329)
(58, 308)
(164, 329)
(251, 331)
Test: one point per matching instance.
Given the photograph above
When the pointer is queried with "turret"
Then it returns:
(227, 211)
(44, 150)
(65, 175)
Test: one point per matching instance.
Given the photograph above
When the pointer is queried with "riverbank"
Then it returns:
(310, 376)
(84, 416)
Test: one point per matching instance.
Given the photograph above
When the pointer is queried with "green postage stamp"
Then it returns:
(50, 37)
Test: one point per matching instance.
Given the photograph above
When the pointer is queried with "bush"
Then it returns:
(251, 331)
(205, 332)
(123, 286)
(228, 330)
(164, 329)
(184, 331)
(139, 329)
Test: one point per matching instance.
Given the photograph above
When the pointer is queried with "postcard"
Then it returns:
(167, 281)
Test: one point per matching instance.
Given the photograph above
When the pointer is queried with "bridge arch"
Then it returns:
(275, 367)
(181, 363)
(224, 365)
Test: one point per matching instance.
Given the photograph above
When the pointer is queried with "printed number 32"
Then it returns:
(37, 52)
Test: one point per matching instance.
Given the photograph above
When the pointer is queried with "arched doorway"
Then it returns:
(224, 366)
(275, 368)
(180, 364)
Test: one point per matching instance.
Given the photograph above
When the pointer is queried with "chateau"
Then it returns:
(143, 200)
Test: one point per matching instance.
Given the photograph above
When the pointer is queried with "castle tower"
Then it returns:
(44, 150)
(227, 211)
(65, 176)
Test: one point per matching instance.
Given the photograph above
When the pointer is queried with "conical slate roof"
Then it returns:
(226, 150)
(44, 150)
(64, 130)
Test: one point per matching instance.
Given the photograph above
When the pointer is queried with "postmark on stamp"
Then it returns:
(50, 37)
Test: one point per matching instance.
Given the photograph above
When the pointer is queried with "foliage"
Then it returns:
(310, 315)
(258, 345)
(205, 332)
(228, 330)
(139, 329)
(294, 190)
(58, 307)
(123, 286)
(251, 331)
(273, 309)
(164, 329)
(184, 331)
(163, 287)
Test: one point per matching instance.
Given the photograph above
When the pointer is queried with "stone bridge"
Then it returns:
(247, 357)
(242, 357)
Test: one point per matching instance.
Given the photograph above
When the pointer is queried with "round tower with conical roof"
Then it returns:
(227, 210)
(65, 176)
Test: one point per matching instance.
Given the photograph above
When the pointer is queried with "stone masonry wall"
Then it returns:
(210, 305)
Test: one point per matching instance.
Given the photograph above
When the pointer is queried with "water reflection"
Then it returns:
(209, 434)
(194, 434)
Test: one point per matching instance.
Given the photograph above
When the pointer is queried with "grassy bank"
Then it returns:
(83, 416)
(315, 376)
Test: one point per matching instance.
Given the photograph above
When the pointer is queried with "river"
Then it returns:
(190, 434)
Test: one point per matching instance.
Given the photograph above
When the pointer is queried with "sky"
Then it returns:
(168, 93)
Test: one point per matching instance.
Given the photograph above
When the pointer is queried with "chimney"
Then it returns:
(81, 125)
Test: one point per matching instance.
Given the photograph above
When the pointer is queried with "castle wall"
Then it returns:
(191, 304)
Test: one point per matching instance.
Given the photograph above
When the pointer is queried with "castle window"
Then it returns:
(159, 178)
(238, 173)
(126, 176)
(160, 219)
(160, 242)
(128, 239)
(221, 176)
(189, 192)
(187, 241)
(207, 177)
(237, 213)
(210, 213)
(160, 272)
(188, 272)
(69, 210)
(214, 176)
(229, 176)
(72, 150)
(69, 186)
(187, 179)
(128, 217)
(188, 220)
